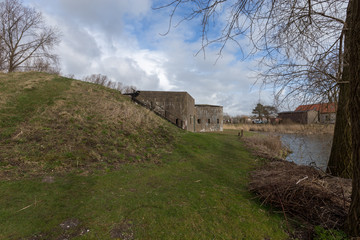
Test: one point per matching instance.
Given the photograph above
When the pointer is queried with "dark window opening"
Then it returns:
(177, 122)
(209, 120)
(218, 121)
(199, 120)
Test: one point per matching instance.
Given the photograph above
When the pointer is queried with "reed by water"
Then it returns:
(284, 128)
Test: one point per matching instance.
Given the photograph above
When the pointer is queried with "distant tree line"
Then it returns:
(235, 119)
(260, 111)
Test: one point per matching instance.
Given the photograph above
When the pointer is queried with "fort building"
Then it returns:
(209, 118)
(180, 109)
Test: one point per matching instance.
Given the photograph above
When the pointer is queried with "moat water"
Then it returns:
(312, 150)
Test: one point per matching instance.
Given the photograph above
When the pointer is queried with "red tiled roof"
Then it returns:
(321, 107)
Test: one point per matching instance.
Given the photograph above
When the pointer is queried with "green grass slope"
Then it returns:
(198, 192)
(54, 124)
(57, 137)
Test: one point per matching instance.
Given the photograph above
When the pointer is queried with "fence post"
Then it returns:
(241, 133)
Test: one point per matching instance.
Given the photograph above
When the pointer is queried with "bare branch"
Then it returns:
(297, 38)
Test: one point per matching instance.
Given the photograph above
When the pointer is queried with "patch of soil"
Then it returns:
(70, 223)
(39, 236)
(48, 179)
(123, 231)
(69, 229)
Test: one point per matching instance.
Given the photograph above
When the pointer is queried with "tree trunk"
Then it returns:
(340, 163)
(354, 47)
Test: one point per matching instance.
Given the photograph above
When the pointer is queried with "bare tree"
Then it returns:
(24, 36)
(98, 79)
(307, 46)
(354, 72)
(341, 159)
(2, 54)
(43, 65)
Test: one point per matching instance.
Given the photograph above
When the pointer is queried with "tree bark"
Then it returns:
(340, 163)
(354, 57)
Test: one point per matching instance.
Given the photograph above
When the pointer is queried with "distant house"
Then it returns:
(312, 113)
(326, 111)
(303, 117)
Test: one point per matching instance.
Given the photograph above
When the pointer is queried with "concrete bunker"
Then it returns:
(180, 109)
(209, 117)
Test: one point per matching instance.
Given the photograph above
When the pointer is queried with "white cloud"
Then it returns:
(121, 39)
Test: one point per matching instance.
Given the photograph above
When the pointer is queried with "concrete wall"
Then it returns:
(312, 117)
(177, 107)
(209, 118)
(180, 109)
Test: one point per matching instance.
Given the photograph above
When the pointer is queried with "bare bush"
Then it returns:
(97, 79)
(43, 65)
(104, 80)
(129, 89)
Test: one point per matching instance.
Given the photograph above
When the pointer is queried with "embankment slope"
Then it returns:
(50, 123)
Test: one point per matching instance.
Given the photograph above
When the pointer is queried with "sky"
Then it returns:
(124, 40)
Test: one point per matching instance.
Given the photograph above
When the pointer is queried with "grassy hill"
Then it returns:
(54, 124)
(79, 161)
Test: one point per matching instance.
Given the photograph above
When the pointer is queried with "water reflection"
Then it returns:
(313, 150)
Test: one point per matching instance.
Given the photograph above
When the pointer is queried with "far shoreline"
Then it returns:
(294, 128)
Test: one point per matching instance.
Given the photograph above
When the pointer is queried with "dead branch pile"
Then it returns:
(304, 192)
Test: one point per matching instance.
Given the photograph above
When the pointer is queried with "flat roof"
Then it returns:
(164, 91)
(206, 105)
